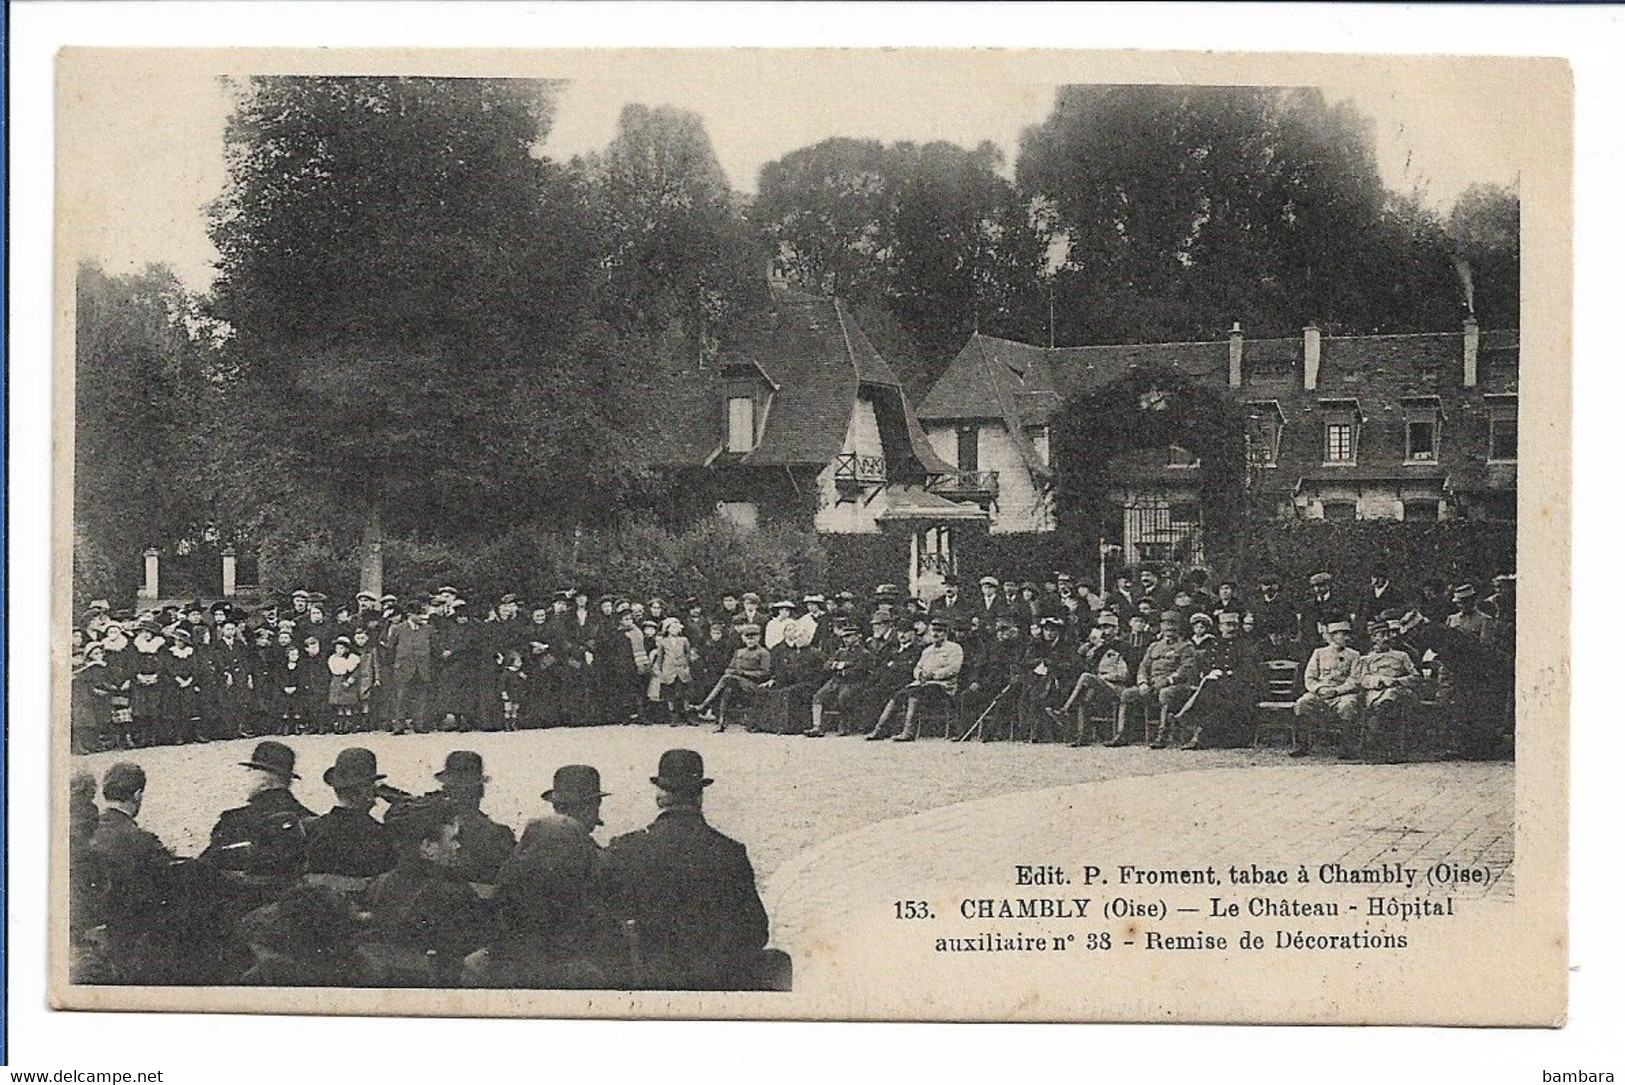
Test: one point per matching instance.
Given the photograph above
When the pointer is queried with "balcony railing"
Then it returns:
(968, 484)
(855, 467)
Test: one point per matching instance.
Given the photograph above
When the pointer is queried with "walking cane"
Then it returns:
(976, 728)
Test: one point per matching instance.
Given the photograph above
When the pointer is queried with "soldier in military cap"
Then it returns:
(1331, 693)
(1166, 679)
(348, 839)
(1388, 678)
(847, 671)
(749, 672)
(1105, 675)
(1230, 687)
(266, 836)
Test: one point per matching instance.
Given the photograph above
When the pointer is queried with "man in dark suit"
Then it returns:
(266, 837)
(347, 839)
(411, 644)
(691, 892)
(127, 861)
(483, 844)
(1381, 595)
(989, 604)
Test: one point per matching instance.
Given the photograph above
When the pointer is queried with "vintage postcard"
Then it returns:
(907, 535)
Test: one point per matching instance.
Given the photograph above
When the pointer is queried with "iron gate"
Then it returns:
(1156, 529)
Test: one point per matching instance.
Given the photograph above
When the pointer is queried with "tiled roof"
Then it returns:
(1024, 385)
(815, 356)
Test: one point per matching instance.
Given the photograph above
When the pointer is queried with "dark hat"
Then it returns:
(576, 783)
(230, 614)
(122, 781)
(943, 624)
(564, 593)
(464, 765)
(272, 757)
(681, 771)
(355, 765)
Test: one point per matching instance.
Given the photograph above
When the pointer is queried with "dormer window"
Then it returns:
(1422, 418)
(1341, 421)
(741, 423)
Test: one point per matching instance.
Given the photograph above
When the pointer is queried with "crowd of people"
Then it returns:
(1149, 658)
(434, 893)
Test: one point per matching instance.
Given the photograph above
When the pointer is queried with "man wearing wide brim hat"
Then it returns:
(483, 844)
(347, 839)
(692, 892)
(1468, 617)
(264, 838)
(577, 793)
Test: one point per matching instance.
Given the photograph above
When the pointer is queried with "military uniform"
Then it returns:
(1228, 693)
(1330, 693)
(849, 668)
(1166, 679)
(1388, 679)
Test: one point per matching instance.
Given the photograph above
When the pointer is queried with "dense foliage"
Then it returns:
(419, 315)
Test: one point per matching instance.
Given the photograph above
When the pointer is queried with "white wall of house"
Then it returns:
(1021, 505)
(1374, 502)
(838, 513)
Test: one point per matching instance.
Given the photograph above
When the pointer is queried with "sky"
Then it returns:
(149, 147)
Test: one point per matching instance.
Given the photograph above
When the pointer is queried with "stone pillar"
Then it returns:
(1311, 358)
(149, 590)
(1235, 354)
(1469, 352)
(228, 572)
(372, 555)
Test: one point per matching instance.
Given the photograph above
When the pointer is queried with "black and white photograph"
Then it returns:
(810, 535)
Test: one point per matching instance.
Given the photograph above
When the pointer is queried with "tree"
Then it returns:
(142, 382)
(677, 255)
(410, 292)
(1187, 208)
(932, 233)
(1483, 229)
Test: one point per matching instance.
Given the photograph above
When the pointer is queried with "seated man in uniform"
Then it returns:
(1167, 678)
(1105, 676)
(847, 670)
(749, 672)
(936, 674)
(1331, 695)
(1388, 678)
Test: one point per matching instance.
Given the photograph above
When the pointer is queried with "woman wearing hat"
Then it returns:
(182, 698)
(146, 683)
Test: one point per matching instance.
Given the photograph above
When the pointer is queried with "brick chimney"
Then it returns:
(1469, 352)
(1311, 357)
(1235, 355)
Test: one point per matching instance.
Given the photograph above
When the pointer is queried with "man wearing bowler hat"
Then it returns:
(577, 794)
(348, 839)
(483, 845)
(691, 892)
(265, 838)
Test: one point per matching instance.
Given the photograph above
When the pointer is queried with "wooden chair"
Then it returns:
(1280, 694)
(937, 713)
